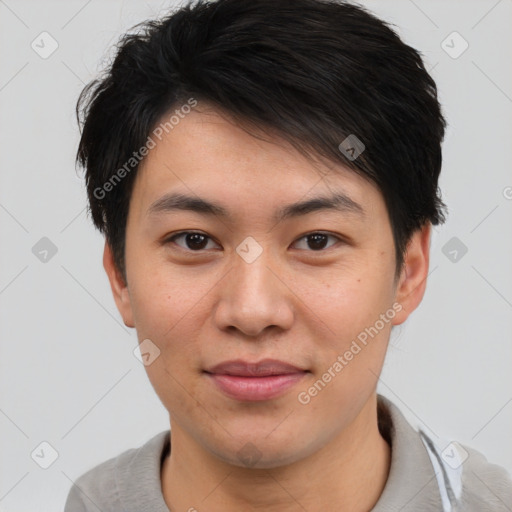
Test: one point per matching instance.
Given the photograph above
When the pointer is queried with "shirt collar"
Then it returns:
(411, 483)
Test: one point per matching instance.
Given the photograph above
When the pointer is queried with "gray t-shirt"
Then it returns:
(422, 477)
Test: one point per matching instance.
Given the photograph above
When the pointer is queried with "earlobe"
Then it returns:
(118, 286)
(413, 279)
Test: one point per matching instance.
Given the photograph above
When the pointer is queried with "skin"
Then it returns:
(293, 303)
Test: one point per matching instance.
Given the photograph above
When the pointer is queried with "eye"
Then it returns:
(317, 241)
(196, 241)
(193, 240)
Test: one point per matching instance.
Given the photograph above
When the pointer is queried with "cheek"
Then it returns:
(346, 300)
(166, 300)
(169, 310)
(348, 361)
(166, 311)
(354, 311)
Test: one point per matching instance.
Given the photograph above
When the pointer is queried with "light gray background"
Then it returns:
(68, 375)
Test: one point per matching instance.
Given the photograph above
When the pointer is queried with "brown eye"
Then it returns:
(317, 241)
(192, 241)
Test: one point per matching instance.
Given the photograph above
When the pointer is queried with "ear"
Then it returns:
(119, 287)
(413, 277)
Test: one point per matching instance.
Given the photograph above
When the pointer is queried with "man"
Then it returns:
(266, 176)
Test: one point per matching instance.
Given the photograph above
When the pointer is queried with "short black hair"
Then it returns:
(314, 72)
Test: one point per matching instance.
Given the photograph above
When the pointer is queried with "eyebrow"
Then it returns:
(176, 201)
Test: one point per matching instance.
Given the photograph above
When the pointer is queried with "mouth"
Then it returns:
(246, 381)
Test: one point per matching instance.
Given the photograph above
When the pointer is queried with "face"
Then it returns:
(255, 276)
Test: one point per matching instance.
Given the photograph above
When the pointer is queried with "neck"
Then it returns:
(348, 473)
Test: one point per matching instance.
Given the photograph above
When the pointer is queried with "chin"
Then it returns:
(260, 453)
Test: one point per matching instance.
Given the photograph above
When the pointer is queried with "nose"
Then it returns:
(254, 298)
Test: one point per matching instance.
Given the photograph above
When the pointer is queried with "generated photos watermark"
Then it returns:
(304, 397)
(137, 156)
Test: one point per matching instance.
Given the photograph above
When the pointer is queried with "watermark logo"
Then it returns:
(249, 455)
(137, 156)
(44, 455)
(352, 147)
(454, 249)
(44, 45)
(361, 341)
(454, 455)
(454, 45)
(249, 250)
(44, 250)
(146, 352)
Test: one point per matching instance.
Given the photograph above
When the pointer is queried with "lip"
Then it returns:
(263, 380)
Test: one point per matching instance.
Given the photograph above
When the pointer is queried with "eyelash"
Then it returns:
(184, 233)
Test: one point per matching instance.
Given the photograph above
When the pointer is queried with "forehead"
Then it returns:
(209, 157)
